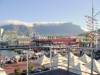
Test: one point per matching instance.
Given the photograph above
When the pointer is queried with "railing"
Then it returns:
(65, 70)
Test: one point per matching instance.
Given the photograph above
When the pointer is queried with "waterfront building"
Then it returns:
(84, 40)
(23, 40)
(98, 41)
(10, 37)
(1, 33)
(57, 43)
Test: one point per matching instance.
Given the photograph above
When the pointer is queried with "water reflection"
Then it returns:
(7, 53)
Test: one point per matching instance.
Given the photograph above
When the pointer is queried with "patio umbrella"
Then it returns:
(99, 61)
(43, 60)
(2, 71)
(73, 60)
(81, 70)
(96, 66)
(58, 60)
(85, 58)
(17, 57)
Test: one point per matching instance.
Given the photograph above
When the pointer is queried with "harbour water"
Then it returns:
(7, 53)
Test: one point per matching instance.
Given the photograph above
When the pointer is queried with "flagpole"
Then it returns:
(27, 64)
(92, 43)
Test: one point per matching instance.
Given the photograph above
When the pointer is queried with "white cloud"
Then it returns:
(49, 22)
(16, 22)
(85, 29)
(31, 24)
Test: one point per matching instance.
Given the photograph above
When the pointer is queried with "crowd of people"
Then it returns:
(17, 58)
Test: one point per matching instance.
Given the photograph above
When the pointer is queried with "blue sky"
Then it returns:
(47, 10)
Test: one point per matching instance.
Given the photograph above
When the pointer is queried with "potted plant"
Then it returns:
(42, 67)
(18, 71)
(31, 67)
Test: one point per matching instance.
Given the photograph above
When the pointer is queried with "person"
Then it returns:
(1, 62)
(81, 52)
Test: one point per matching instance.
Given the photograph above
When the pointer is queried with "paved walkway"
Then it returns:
(9, 68)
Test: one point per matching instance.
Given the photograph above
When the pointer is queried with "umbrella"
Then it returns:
(2, 72)
(81, 70)
(96, 66)
(85, 58)
(43, 60)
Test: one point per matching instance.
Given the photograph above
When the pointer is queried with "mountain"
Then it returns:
(46, 28)
(20, 28)
(62, 28)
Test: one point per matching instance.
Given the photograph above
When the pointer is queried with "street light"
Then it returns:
(92, 29)
(92, 53)
(27, 63)
(28, 59)
(51, 58)
(30, 35)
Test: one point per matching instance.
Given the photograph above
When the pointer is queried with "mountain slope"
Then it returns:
(48, 28)
(64, 28)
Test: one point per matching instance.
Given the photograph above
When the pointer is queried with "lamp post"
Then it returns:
(92, 44)
(92, 52)
(27, 63)
(30, 35)
(92, 34)
(50, 58)
(68, 57)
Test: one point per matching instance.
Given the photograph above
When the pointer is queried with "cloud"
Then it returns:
(16, 22)
(85, 29)
(31, 24)
(46, 23)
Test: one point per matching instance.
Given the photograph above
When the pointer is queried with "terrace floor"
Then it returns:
(56, 72)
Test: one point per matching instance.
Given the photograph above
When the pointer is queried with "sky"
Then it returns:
(48, 10)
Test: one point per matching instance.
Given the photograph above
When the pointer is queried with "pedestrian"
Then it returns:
(1, 62)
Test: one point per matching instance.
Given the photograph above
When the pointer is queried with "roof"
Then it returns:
(60, 40)
(65, 40)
